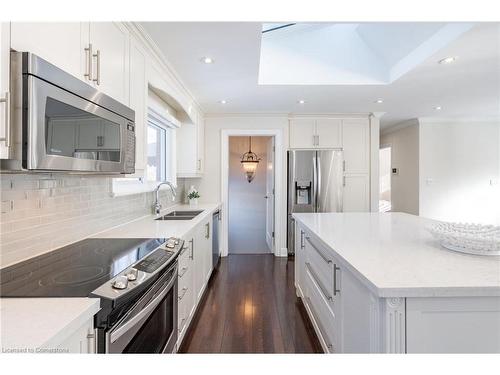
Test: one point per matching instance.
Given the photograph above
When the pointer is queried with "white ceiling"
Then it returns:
(469, 87)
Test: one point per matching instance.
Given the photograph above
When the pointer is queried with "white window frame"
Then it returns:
(139, 184)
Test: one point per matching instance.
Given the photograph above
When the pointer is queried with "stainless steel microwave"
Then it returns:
(61, 124)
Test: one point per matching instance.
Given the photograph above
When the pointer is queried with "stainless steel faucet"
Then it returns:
(156, 204)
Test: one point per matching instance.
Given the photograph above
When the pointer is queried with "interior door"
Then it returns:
(270, 195)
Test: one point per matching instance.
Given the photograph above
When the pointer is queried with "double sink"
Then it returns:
(180, 215)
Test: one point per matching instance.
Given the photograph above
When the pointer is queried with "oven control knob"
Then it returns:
(121, 282)
(132, 274)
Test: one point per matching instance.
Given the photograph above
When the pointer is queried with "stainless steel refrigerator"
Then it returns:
(315, 184)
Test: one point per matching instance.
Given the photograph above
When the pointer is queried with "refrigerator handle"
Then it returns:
(341, 186)
(318, 183)
(315, 184)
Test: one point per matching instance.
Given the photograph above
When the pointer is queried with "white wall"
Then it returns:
(247, 205)
(460, 170)
(404, 141)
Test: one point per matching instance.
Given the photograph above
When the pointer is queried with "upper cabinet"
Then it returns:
(62, 44)
(356, 145)
(315, 133)
(109, 44)
(4, 89)
(190, 150)
(96, 52)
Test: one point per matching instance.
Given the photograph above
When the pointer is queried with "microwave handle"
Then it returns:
(125, 326)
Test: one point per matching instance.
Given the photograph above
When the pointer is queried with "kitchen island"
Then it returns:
(379, 282)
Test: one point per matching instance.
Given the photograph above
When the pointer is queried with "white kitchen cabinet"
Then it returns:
(185, 289)
(138, 100)
(302, 133)
(81, 341)
(329, 133)
(4, 88)
(343, 311)
(321, 288)
(96, 52)
(195, 268)
(356, 145)
(356, 194)
(202, 256)
(60, 43)
(190, 147)
(110, 58)
(200, 137)
(315, 133)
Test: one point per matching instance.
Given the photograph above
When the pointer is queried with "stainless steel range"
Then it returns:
(135, 279)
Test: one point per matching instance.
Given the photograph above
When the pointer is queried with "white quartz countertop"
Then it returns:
(148, 227)
(32, 325)
(395, 256)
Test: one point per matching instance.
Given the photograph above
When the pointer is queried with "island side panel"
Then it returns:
(453, 325)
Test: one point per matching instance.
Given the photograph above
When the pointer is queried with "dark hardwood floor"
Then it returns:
(250, 306)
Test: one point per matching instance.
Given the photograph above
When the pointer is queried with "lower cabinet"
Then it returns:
(81, 341)
(320, 288)
(348, 315)
(195, 268)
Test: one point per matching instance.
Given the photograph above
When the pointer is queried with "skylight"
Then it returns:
(348, 53)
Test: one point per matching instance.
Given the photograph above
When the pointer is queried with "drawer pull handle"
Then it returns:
(315, 277)
(329, 261)
(183, 271)
(335, 269)
(302, 244)
(183, 294)
(318, 323)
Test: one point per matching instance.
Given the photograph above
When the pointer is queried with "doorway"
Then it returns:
(385, 171)
(251, 195)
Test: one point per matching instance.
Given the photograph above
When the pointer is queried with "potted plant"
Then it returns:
(193, 196)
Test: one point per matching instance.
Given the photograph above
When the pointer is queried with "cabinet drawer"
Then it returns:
(321, 265)
(184, 259)
(320, 312)
(184, 306)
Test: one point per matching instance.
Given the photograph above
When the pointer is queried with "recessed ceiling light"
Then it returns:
(379, 101)
(207, 60)
(301, 101)
(222, 101)
(437, 108)
(447, 60)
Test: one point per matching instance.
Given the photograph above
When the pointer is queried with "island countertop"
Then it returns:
(395, 256)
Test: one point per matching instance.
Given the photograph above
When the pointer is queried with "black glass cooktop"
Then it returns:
(74, 270)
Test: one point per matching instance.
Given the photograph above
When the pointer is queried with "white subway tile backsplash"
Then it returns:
(40, 213)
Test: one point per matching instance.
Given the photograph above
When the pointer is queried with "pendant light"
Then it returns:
(249, 162)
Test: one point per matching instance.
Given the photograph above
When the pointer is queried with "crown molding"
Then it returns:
(140, 33)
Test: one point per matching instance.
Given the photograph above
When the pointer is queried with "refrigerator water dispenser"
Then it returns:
(303, 192)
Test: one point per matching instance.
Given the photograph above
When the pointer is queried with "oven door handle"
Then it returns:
(120, 330)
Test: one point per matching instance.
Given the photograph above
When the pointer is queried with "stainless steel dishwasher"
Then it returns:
(216, 218)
